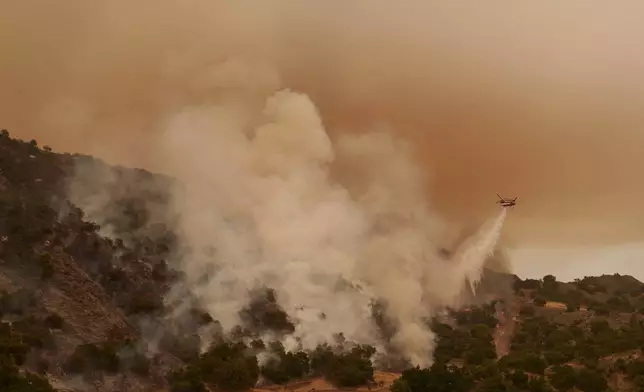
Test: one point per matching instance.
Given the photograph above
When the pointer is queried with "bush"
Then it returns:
(34, 333)
(563, 377)
(321, 359)
(351, 369)
(91, 357)
(54, 321)
(528, 284)
(187, 380)
(145, 300)
(140, 365)
(12, 381)
(13, 350)
(283, 367)
(186, 348)
(17, 302)
(519, 379)
(591, 381)
(438, 378)
(264, 314)
(528, 362)
(229, 367)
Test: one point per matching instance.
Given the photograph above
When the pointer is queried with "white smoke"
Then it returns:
(266, 198)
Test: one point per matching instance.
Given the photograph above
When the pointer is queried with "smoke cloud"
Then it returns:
(543, 105)
(307, 138)
(259, 202)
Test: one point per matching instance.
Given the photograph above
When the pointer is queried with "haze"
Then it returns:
(540, 101)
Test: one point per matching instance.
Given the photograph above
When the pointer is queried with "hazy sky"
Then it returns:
(538, 100)
(571, 263)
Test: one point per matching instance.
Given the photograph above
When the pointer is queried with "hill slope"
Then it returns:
(84, 305)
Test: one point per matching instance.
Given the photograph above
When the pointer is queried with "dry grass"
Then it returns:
(384, 379)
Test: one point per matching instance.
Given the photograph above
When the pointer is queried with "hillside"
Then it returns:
(88, 307)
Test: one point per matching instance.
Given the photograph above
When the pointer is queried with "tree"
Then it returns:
(599, 325)
(284, 366)
(92, 357)
(438, 378)
(12, 381)
(538, 384)
(229, 366)
(493, 384)
(519, 379)
(534, 364)
(528, 362)
(635, 372)
(481, 332)
(54, 321)
(563, 377)
(352, 369)
(528, 284)
(321, 359)
(591, 381)
(187, 380)
(549, 282)
(401, 385)
(264, 313)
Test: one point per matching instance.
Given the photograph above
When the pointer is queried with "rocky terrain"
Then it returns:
(87, 307)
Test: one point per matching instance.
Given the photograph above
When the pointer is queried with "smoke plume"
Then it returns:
(266, 198)
(259, 202)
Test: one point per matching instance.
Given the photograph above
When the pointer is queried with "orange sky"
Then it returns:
(540, 101)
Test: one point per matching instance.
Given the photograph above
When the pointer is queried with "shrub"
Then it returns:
(438, 378)
(91, 357)
(54, 321)
(229, 367)
(264, 314)
(283, 366)
(591, 381)
(563, 377)
(12, 381)
(187, 380)
(13, 350)
(34, 333)
(139, 364)
(145, 300)
(351, 369)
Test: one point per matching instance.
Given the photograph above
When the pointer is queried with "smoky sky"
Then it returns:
(540, 101)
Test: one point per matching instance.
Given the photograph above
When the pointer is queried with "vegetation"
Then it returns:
(67, 282)
(14, 347)
(233, 366)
